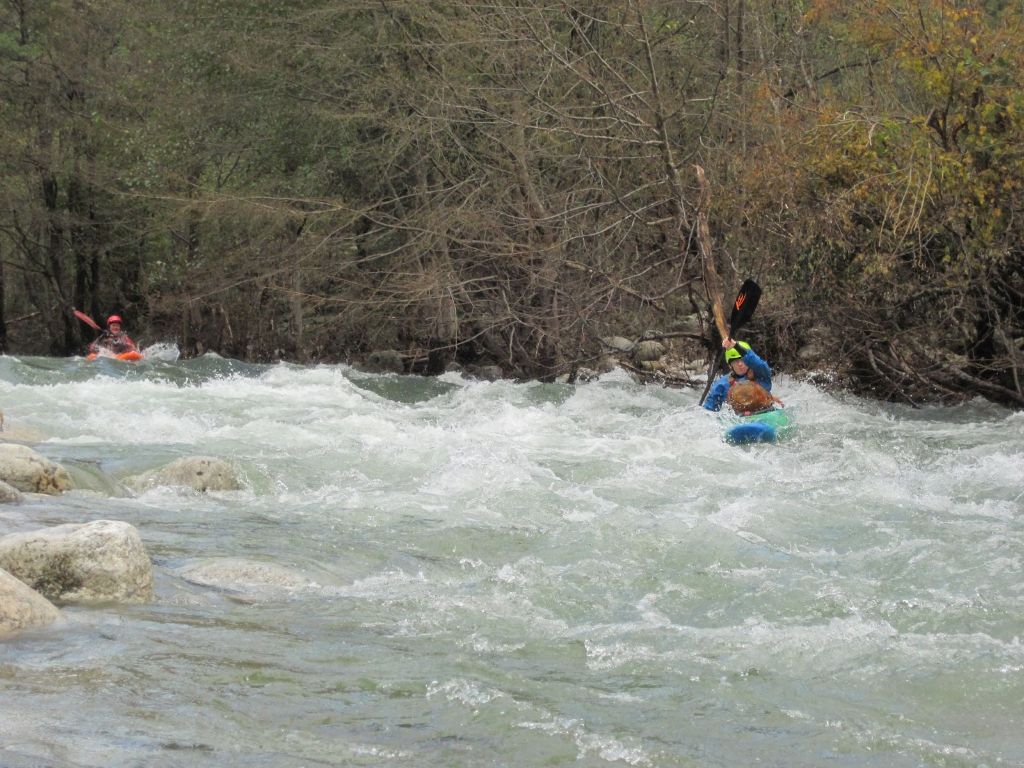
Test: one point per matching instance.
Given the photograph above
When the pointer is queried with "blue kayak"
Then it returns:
(768, 427)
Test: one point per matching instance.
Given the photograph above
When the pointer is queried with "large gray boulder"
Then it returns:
(200, 473)
(816, 347)
(649, 351)
(81, 562)
(31, 472)
(618, 343)
(21, 607)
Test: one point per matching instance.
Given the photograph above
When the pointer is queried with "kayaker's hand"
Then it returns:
(728, 343)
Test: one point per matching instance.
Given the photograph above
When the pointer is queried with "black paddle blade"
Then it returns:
(745, 304)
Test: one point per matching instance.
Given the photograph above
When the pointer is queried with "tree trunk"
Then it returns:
(3, 307)
(52, 262)
(298, 312)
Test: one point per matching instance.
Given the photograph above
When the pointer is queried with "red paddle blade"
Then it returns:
(86, 319)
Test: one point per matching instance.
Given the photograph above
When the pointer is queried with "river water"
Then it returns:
(443, 572)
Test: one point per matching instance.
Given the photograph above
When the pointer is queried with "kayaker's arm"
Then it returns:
(759, 367)
(717, 393)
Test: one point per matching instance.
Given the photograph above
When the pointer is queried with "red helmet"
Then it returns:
(113, 319)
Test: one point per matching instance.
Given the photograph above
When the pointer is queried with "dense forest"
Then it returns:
(511, 181)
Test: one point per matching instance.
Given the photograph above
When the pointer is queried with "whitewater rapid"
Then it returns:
(453, 572)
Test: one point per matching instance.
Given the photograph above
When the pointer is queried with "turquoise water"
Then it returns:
(468, 573)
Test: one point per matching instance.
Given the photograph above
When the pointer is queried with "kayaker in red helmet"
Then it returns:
(114, 339)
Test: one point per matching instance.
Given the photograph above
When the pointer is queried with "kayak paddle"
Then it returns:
(742, 310)
(86, 319)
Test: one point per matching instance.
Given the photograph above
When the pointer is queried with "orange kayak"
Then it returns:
(133, 354)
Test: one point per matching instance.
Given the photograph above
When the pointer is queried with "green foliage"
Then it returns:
(916, 208)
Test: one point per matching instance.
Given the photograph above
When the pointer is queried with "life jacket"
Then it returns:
(117, 343)
(746, 397)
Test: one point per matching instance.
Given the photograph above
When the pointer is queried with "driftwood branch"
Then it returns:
(712, 282)
(677, 335)
(29, 316)
(659, 376)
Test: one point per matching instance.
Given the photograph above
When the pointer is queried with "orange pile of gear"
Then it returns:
(748, 397)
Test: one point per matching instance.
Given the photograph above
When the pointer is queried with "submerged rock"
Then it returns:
(13, 431)
(81, 562)
(384, 361)
(21, 607)
(9, 494)
(200, 473)
(242, 575)
(31, 472)
(653, 366)
(486, 372)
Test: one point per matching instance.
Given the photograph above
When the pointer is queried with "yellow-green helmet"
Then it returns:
(734, 353)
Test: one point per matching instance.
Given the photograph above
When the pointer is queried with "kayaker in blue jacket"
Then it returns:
(744, 365)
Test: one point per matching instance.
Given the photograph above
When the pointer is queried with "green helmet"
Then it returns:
(734, 353)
